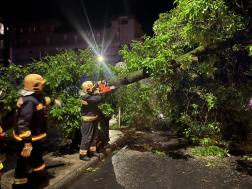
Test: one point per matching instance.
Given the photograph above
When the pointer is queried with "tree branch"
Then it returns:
(240, 38)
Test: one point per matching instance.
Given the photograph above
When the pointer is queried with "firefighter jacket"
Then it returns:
(90, 103)
(31, 121)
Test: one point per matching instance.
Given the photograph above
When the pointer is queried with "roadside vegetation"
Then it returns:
(199, 62)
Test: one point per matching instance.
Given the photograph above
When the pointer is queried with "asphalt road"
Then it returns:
(104, 178)
(177, 169)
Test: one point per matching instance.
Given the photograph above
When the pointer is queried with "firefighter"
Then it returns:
(30, 131)
(104, 121)
(104, 132)
(89, 112)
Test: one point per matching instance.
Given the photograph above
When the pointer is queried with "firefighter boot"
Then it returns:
(84, 157)
(44, 175)
(92, 152)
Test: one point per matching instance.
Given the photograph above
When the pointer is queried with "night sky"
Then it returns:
(98, 11)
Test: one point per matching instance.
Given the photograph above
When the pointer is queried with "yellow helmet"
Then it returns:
(34, 82)
(87, 86)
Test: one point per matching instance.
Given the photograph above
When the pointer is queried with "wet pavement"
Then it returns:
(177, 169)
(104, 178)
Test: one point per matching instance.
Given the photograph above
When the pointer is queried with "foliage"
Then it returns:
(160, 153)
(247, 158)
(63, 73)
(115, 151)
(210, 151)
(212, 163)
(138, 107)
(91, 169)
(208, 97)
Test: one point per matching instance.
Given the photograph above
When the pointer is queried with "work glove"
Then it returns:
(26, 150)
(58, 103)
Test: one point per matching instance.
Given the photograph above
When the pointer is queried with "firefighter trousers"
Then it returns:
(89, 134)
(104, 123)
(24, 164)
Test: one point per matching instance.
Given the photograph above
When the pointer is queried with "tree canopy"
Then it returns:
(199, 62)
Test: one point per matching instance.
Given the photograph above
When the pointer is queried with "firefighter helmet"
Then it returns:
(87, 86)
(33, 82)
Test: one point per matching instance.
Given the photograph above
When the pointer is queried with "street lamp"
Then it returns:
(100, 58)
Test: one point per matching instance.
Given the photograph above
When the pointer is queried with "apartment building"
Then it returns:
(32, 40)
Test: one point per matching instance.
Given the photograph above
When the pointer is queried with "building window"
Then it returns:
(118, 35)
(65, 37)
(7, 28)
(34, 29)
(29, 42)
(124, 21)
(118, 29)
(75, 39)
(21, 30)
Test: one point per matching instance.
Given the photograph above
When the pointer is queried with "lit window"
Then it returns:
(7, 28)
(34, 29)
(1, 43)
(1, 28)
(21, 30)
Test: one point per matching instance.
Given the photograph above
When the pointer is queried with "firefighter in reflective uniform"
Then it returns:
(30, 131)
(104, 121)
(89, 112)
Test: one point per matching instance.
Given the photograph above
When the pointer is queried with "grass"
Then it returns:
(115, 126)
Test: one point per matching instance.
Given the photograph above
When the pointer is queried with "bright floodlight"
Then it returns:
(100, 58)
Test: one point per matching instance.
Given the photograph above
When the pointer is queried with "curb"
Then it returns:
(76, 174)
